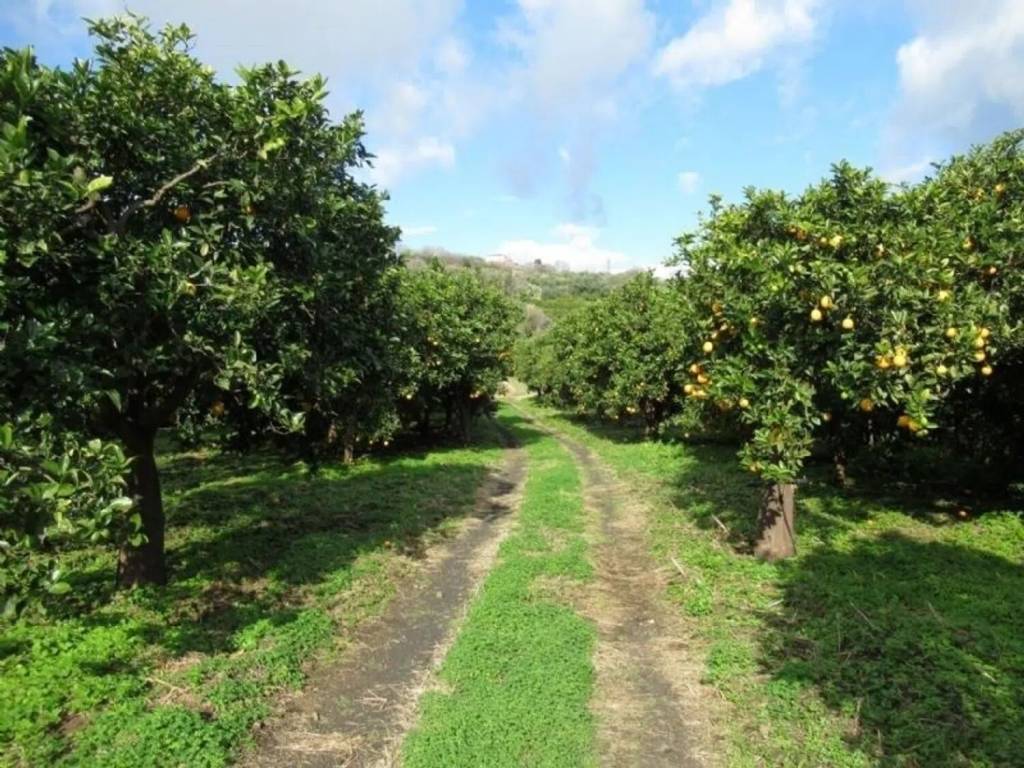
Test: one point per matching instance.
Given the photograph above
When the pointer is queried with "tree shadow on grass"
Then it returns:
(716, 491)
(245, 548)
(923, 640)
(252, 548)
(916, 642)
(254, 544)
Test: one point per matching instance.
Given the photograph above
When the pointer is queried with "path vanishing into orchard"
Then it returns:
(537, 635)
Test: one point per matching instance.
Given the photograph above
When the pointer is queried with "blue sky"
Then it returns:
(590, 132)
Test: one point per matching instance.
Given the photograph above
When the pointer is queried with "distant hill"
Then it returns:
(554, 291)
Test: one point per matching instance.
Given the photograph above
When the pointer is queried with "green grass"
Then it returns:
(271, 565)
(519, 676)
(894, 638)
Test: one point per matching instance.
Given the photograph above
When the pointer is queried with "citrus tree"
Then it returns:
(977, 200)
(618, 357)
(541, 360)
(841, 317)
(856, 314)
(166, 254)
(460, 331)
(58, 489)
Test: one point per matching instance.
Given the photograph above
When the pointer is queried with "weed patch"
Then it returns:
(517, 681)
(272, 564)
(892, 638)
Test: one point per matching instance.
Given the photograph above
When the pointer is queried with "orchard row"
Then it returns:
(856, 314)
(179, 252)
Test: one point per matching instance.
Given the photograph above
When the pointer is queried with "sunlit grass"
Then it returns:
(893, 638)
(519, 677)
(272, 565)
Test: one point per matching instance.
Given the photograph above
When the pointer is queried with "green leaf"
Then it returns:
(271, 146)
(99, 184)
(121, 504)
(115, 398)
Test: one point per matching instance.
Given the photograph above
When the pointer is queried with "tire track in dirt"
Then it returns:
(355, 714)
(648, 701)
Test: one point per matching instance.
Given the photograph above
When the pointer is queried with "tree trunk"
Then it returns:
(145, 563)
(424, 424)
(349, 444)
(448, 415)
(777, 539)
(462, 410)
(839, 466)
(652, 419)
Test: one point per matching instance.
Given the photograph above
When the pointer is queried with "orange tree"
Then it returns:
(459, 331)
(160, 233)
(57, 489)
(844, 316)
(618, 357)
(977, 202)
(548, 362)
(332, 332)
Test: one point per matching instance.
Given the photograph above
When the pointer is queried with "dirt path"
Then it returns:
(650, 707)
(355, 714)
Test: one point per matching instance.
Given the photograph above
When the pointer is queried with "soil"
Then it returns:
(355, 713)
(649, 704)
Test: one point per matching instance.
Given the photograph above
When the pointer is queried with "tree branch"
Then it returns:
(117, 226)
(158, 415)
(163, 190)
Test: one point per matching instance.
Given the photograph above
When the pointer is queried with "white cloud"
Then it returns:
(960, 77)
(394, 162)
(688, 182)
(736, 38)
(573, 50)
(347, 41)
(451, 57)
(575, 248)
(399, 112)
(396, 59)
(572, 61)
